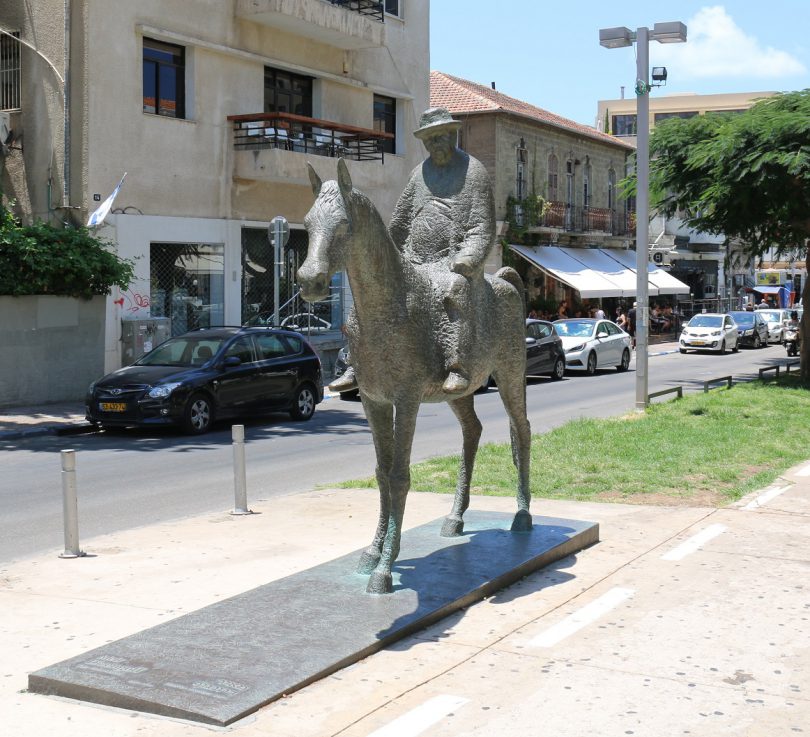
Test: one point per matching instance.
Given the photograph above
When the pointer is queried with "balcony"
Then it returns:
(346, 24)
(310, 136)
(558, 216)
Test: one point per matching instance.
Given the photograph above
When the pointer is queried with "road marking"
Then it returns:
(766, 496)
(803, 471)
(694, 543)
(581, 618)
(417, 720)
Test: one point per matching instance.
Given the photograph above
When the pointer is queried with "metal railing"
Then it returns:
(307, 135)
(570, 218)
(373, 8)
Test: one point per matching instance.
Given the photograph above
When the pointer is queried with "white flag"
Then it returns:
(97, 218)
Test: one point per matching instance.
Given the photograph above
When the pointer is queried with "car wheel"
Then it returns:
(198, 414)
(625, 364)
(590, 366)
(303, 406)
(757, 342)
(723, 348)
(736, 348)
(683, 350)
(558, 371)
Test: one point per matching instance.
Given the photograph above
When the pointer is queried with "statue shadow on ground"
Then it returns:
(466, 563)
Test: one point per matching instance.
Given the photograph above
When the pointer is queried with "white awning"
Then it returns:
(662, 281)
(599, 272)
(587, 281)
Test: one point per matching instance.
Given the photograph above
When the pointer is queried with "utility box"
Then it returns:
(141, 336)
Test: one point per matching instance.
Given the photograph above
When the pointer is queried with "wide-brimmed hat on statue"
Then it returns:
(436, 120)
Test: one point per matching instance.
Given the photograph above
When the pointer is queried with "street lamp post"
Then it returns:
(612, 38)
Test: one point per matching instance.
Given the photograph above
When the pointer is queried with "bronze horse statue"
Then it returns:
(399, 311)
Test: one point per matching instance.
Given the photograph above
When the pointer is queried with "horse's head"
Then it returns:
(328, 223)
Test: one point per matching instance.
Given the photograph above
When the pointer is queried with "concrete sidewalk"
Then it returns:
(680, 621)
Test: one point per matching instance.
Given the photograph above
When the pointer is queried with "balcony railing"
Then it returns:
(374, 8)
(308, 136)
(559, 215)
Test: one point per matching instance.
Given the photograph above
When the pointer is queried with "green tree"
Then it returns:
(745, 175)
(67, 262)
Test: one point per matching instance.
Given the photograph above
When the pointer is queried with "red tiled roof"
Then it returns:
(461, 96)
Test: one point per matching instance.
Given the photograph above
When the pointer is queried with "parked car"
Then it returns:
(207, 374)
(751, 328)
(710, 331)
(590, 344)
(545, 355)
(776, 320)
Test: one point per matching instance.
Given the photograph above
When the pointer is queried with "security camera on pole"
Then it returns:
(278, 233)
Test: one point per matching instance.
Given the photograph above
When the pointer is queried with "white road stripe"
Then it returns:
(803, 471)
(417, 720)
(581, 618)
(766, 496)
(694, 543)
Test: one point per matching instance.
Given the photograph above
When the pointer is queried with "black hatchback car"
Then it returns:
(208, 374)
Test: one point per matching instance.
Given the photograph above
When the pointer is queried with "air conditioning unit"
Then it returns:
(660, 258)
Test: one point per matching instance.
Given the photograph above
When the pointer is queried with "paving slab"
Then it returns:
(225, 661)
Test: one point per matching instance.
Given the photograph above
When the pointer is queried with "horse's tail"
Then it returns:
(509, 275)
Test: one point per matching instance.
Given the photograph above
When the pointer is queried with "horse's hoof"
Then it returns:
(522, 522)
(368, 561)
(379, 583)
(452, 527)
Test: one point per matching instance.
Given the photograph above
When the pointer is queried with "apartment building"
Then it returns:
(697, 258)
(212, 109)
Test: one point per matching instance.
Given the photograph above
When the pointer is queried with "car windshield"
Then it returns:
(182, 351)
(706, 321)
(770, 316)
(743, 318)
(574, 329)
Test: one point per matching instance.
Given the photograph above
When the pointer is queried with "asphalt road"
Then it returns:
(137, 478)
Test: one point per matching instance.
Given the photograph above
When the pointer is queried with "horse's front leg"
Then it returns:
(399, 482)
(381, 421)
(464, 409)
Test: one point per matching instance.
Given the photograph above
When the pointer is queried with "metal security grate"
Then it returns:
(10, 71)
(187, 284)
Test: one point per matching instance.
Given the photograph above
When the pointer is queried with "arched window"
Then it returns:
(586, 184)
(553, 171)
(611, 189)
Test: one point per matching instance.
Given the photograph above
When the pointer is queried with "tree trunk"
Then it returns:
(804, 325)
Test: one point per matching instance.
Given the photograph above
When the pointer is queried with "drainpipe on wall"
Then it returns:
(66, 162)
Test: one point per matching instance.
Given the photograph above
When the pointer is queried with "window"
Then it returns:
(270, 346)
(611, 189)
(624, 125)
(520, 171)
(164, 79)
(10, 71)
(666, 116)
(552, 178)
(242, 348)
(285, 92)
(586, 185)
(385, 120)
(392, 7)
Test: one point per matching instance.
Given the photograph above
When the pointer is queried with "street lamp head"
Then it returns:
(672, 32)
(659, 74)
(615, 38)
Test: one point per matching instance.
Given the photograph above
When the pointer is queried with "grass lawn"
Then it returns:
(702, 450)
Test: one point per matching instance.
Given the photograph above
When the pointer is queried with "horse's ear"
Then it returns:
(344, 178)
(314, 180)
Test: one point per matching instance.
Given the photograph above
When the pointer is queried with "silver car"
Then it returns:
(776, 320)
(590, 344)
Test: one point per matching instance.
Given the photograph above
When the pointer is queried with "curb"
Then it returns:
(73, 429)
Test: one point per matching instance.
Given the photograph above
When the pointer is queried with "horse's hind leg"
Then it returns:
(381, 421)
(512, 388)
(464, 409)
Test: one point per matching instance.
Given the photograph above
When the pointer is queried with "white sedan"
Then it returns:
(590, 344)
(710, 331)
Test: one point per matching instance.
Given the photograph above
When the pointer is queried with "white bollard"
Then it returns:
(239, 477)
(70, 505)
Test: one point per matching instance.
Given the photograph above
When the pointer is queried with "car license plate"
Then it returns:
(112, 406)
(698, 342)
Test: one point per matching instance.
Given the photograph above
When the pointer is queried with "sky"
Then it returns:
(547, 52)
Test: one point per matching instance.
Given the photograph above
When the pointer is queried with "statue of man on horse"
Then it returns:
(445, 219)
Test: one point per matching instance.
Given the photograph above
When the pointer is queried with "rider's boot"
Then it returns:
(345, 383)
(456, 382)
